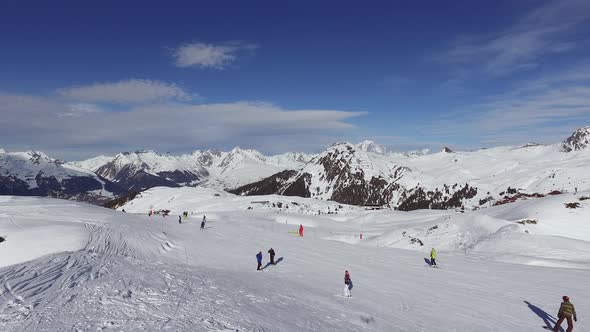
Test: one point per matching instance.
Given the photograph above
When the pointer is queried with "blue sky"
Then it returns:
(80, 78)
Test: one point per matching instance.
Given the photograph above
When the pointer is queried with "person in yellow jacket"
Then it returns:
(433, 257)
(566, 311)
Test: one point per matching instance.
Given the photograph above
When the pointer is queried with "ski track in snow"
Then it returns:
(139, 273)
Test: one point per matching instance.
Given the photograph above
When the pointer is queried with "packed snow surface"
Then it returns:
(72, 266)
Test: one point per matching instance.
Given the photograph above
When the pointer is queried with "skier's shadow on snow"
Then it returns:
(547, 318)
(427, 261)
(280, 259)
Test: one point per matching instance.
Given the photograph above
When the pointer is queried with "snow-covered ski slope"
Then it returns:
(100, 269)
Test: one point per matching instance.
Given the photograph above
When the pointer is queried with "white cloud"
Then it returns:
(208, 55)
(54, 125)
(543, 31)
(130, 91)
(545, 110)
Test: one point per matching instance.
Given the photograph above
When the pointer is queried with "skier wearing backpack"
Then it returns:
(433, 258)
(566, 311)
(259, 260)
(347, 284)
(271, 252)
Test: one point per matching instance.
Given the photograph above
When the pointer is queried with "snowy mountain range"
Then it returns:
(35, 173)
(358, 174)
(354, 174)
(140, 170)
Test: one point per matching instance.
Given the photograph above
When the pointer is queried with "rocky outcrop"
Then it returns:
(288, 183)
(579, 140)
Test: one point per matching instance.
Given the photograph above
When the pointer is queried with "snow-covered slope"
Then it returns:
(92, 164)
(471, 179)
(533, 231)
(241, 166)
(35, 173)
(125, 271)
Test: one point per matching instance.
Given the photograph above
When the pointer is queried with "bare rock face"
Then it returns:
(579, 140)
(277, 183)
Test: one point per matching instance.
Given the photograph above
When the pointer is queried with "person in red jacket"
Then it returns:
(301, 230)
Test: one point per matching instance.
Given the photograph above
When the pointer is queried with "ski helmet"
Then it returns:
(565, 298)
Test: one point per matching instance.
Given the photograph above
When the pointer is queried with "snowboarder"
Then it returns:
(433, 258)
(566, 311)
(347, 284)
(259, 260)
(271, 252)
(300, 230)
(179, 220)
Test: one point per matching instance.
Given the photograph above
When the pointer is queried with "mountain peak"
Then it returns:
(141, 152)
(371, 146)
(579, 140)
(343, 144)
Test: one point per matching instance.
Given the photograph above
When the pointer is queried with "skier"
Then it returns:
(566, 311)
(347, 284)
(300, 230)
(204, 219)
(179, 220)
(433, 258)
(271, 252)
(202, 224)
(259, 260)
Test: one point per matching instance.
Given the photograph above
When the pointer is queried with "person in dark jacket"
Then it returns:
(566, 311)
(259, 260)
(271, 252)
(179, 220)
(347, 284)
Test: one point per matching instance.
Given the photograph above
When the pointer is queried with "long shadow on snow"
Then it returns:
(280, 259)
(427, 261)
(547, 318)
